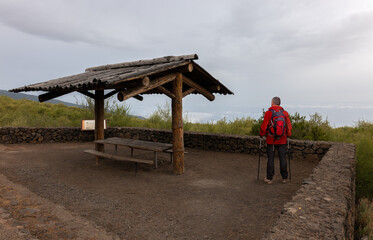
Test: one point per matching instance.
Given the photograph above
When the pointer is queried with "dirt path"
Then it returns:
(217, 198)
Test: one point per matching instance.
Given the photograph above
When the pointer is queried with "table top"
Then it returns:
(138, 144)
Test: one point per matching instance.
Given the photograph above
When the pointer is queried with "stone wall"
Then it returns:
(44, 135)
(309, 150)
(323, 208)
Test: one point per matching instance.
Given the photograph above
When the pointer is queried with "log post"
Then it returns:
(99, 120)
(177, 125)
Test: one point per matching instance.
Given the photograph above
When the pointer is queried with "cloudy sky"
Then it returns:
(317, 55)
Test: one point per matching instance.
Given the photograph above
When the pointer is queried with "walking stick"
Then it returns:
(289, 156)
(260, 151)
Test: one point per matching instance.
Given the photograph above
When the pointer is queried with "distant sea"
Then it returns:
(337, 116)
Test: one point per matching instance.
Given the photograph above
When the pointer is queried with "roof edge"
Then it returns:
(224, 90)
(153, 61)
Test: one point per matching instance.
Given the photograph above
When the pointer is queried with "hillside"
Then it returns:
(28, 113)
(33, 98)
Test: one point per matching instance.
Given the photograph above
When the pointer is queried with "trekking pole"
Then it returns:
(260, 147)
(289, 156)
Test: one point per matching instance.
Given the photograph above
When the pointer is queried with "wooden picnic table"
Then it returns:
(132, 144)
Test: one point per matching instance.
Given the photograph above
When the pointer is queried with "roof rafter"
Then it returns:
(165, 91)
(124, 95)
(50, 95)
(198, 88)
(189, 91)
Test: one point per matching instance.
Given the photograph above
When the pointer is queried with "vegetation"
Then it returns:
(364, 222)
(25, 113)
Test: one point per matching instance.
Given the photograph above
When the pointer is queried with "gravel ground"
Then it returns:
(51, 191)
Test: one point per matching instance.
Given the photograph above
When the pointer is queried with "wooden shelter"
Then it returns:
(174, 76)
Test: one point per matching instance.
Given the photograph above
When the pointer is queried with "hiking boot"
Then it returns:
(284, 181)
(268, 181)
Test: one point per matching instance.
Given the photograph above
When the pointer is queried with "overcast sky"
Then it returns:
(317, 55)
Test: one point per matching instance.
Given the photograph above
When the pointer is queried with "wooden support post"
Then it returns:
(99, 120)
(177, 125)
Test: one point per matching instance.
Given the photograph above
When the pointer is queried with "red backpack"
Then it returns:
(277, 128)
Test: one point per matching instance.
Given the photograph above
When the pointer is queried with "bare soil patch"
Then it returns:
(218, 197)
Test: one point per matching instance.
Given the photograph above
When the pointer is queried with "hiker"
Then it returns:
(276, 127)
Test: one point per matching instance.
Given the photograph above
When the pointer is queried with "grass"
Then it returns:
(362, 136)
(25, 113)
(364, 222)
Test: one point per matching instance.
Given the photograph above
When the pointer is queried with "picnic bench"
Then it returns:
(132, 144)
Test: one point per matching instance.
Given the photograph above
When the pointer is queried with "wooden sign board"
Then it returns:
(90, 125)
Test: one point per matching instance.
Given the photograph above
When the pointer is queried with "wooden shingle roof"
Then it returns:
(122, 76)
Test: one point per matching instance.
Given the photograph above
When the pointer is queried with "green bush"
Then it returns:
(315, 129)
(361, 136)
(364, 223)
(240, 126)
(161, 118)
(255, 130)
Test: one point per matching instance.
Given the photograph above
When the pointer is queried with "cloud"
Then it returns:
(307, 52)
(129, 24)
(332, 106)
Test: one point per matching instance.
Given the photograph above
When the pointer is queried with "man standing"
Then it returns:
(277, 127)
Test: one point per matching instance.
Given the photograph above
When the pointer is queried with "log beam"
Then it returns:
(138, 82)
(138, 97)
(50, 95)
(165, 91)
(145, 81)
(190, 67)
(88, 94)
(187, 92)
(111, 94)
(124, 95)
(199, 88)
(177, 125)
(215, 88)
(99, 120)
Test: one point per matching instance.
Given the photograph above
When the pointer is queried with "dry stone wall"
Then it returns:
(309, 150)
(323, 208)
(44, 135)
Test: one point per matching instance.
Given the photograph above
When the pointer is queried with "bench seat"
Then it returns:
(116, 157)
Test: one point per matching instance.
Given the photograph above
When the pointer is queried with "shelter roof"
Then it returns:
(122, 76)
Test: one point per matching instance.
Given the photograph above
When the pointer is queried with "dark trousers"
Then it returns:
(281, 149)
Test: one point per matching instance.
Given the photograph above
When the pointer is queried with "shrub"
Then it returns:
(361, 136)
(364, 222)
(315, 129)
